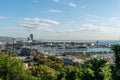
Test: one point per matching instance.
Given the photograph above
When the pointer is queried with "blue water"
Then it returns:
(105, 42)
(100, 42)
(87, 50)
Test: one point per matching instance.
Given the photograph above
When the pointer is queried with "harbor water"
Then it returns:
(79, 50)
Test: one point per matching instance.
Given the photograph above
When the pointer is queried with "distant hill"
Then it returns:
(10, 38)
(5, 38)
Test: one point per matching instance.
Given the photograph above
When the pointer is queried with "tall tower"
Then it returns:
(13, 44)
(31, 37)
(28, 38)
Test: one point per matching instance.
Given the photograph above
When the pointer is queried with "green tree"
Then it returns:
(55, 63)
(12, 53)
(61, 76)
(12, 69)
(98, 69)
(73, 73)
(116, 69)
(44, 72)
(88, 74)
(116, 50)
(51, 61)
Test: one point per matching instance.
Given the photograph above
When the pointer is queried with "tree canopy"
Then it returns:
(13, 69)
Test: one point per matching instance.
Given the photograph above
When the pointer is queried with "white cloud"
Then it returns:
(92, 20)
(72, 4)
(93, 16)
(55, 11)
(83, 7)
(65, 2)
(115, 19)
(35, 1)
(95, 28)
(87, 28)
(65, 31)
(48, 30)
(56, 0)
(3, 17)
(38, 23)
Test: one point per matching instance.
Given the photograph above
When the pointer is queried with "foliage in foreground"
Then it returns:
(12, 69)
(94, 69)
(116, 67)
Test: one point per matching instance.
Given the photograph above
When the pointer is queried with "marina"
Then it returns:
(81, 51)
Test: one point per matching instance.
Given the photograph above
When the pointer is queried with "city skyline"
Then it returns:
(61, 19)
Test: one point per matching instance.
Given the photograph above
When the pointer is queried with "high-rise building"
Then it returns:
(31, 37)
(28, 39)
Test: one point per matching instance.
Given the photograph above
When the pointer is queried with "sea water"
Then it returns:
(100, 49)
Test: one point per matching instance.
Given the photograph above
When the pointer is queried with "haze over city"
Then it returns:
(61, 19)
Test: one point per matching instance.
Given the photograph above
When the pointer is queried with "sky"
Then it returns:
(61, 19)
